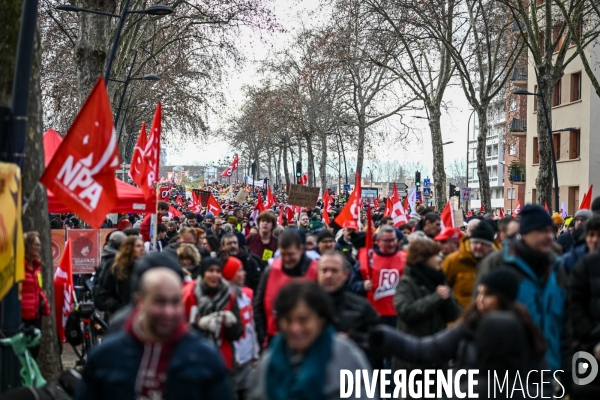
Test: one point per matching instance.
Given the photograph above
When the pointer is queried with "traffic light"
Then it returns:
(298, 171)
(418, 179)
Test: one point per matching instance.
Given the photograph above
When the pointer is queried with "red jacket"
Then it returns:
(32, 293)
(384, 272)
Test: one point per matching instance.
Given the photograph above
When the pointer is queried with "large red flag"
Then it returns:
(63, 291)
(587, 199)
(82, 172)
(447, 216)
(326, 207)
(234, 164)
(213, 206)
(152, 154)
(270, 199)
(517, 210)
(351, 210)
(137, 168)
(173, 212)
(388, 207)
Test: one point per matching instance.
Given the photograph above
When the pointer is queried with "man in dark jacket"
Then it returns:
(155, 356)
(592, 241)
(542, 280)
(352, 314)
(575, 237)
(252, 264)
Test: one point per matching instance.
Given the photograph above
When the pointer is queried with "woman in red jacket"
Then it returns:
(34, 303)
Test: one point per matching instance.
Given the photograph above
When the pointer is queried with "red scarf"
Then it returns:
(152, 374)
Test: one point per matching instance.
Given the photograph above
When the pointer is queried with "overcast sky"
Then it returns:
(454, 122)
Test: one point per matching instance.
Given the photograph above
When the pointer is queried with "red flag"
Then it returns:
(63, 291)
(280, 218)
(469, 213)
(587, 199)
(546, 206)
(376, 203)
(351, 210)
(179, 200)
(228, 172)
(152, 154)
(481, 209)
(258, 208)
(304, 178)
(398, 214)
(406, 205)
(173, 212)
(501, 212)
(270, 199)
(137, 168)
(82, 172)
(234, 164)
(388, 207)
(165, 193)
(326, 207)
(289, 214)
(369, 238)
(447, 216)
(517, 210)
(213, 206)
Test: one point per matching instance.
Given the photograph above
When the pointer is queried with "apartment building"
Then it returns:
(575, 125)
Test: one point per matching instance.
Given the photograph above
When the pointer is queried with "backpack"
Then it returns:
(73, 333)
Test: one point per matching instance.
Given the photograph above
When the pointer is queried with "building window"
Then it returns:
(512, 149)
(488, 151)
(557, 38)
(535, 99)
(556, 144)
(510, 193)
(495, 150)
(574, 144)
(536, 152)
(576, 86)
(494, 172)
(556, 95)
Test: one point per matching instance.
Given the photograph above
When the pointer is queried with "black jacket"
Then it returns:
(253, 267)
(260, 318)
(584, 289)
(353, 315)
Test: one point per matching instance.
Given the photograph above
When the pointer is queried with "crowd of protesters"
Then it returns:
(232, 305)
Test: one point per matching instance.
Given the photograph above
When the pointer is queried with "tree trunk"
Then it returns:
(285, 168)
(439, 173)
(360, 156)
(544, 180)
(323, 166)
(35, 216)
(484, 178)
(269, 168)
(91, 49)
(310, 162)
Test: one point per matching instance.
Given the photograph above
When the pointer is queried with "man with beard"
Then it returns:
(252, 265)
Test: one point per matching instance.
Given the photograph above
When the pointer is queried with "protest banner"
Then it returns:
(303, 196)
(85, 248)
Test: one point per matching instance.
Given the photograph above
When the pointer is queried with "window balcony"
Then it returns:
(519, 78)
(518, 127)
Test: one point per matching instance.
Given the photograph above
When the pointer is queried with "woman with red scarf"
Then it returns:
(34, 303)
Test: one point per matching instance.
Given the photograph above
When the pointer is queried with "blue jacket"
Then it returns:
(570, 259)
(196, 370)
(545, 303)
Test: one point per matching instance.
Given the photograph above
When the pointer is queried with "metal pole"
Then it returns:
(15, 153)
(115, 44)
(123, 93)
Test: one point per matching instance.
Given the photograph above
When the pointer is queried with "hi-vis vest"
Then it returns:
(384, 272)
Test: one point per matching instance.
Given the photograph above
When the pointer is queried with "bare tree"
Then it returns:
(457, 170)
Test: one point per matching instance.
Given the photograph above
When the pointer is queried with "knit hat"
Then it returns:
(596, 205)
(232, 220)
(231, 268)
(534, 218)
(315, 225)
(558, 219)
(209, 262)
(210, 215)
(414, 215)
(587, 214)
(483, 233)
(504, 281)
(325, 234)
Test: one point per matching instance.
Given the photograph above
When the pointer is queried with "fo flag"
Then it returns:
(82, 171)
(63, 292)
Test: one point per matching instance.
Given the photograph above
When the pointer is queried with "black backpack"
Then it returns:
(73, 333)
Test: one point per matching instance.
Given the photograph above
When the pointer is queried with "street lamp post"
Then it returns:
(523, 92)
(158, 9)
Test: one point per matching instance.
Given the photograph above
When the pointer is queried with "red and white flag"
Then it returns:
(179, 200)
(152, 154)
(165, 193)
(289, 213)
(270, 199)
(213, 206)
(447, 216)
(351, 210)
(234, 164)
(228, 172)
(304, 178)
(326, 207)
(82, 172)
(517, 210)
(398, 214)
(173, 212)
(258, 208)
(63, 291)
(388, 207)
(137, 167)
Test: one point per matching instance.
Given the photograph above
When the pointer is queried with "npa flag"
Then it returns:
(563, 210)
(517, 210)
(63, 291)
(326, 207)
(152, 155)
(137, 168)
(179, 200)
(398, 214)
(447, 216)
(82, 172)
(213, 206)
(351, 210)
(587, 199)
